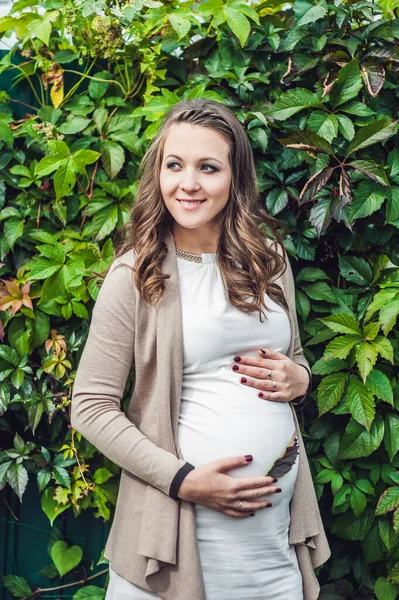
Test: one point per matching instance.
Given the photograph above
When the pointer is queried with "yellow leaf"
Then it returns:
(57, 93)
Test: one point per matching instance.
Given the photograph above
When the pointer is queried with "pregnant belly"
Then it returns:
(213, 426)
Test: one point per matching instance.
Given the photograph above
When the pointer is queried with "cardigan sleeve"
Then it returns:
(298, 354)
(100, 383)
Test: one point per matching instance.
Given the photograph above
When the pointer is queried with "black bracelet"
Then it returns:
(177, 480)
(303, 399)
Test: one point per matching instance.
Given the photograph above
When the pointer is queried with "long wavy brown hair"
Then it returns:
(248, 261)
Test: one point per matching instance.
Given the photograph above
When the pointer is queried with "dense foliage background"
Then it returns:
(316, 85)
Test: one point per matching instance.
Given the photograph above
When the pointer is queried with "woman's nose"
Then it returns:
(189, 180)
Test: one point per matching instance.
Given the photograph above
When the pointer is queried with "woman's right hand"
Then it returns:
(211, 486)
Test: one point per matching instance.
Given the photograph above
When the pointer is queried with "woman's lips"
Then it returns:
(190, 204)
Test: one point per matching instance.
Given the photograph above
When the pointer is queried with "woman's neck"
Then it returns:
(195, 242)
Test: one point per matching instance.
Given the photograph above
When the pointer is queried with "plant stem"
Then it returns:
(85, 76)
(66, 585)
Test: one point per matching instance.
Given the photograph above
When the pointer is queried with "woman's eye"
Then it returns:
(213, 169)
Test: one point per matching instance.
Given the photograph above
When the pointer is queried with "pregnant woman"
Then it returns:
(216, 501)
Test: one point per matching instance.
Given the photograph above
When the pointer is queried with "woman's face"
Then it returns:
(195, 176)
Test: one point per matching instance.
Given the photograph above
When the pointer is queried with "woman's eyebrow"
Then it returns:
(199, 160)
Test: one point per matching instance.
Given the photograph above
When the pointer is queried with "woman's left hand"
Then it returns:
(278, 378)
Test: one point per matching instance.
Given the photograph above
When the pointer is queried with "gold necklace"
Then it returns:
(197, 258)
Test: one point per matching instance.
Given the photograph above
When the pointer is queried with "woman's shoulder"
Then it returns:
(127, 259)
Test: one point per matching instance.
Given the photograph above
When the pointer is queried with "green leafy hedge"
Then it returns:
(315, 84)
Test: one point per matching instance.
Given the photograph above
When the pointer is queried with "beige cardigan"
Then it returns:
(153, 541)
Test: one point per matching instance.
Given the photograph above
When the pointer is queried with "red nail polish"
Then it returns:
(274, 479)
(263, 352)
(235, 367)
(249, 457)
(269, 505)
(251, 514)
(278, 491)
(260, 395)
(243, 380)
(237, 358)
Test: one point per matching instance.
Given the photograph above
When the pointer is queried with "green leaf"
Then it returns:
(320, 291)
(385, 590)
(49, 164)
(41, 29)
(302, 304)
(342, 323)
(97, 89)
(384, 347)
(349, 529)
(43, 477)
(340, 347)
(358, 501)
(18, 586)
(391, 436)
(392, 210)
(347, 85)
(50, 506)
(113, 158)
(359, 109)
(4, 398)
(180, 25)
(360, 402)
(238, 23)
(292, 102)
(64, 558)
(307, 140)
(105, 222)
(13, 230)
(366, 357)
(17, 477)
(357, 442)
(306, 12)
(324, 124)
(368, 198)
(325, 368)
(346, 127)
(34, 415)
(42, 269)
(64, 180)
(82, 158)
(372, 134)
(388, 501)
(379, 385)
(389, 314)
(371, 330)
(276, 200)
(73, 125)
(90, 591)
(10, 355)
(329, 391)
(311, 274)
(371, 169)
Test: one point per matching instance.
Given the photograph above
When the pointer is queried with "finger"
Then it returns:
(251, 483)
(232, 462)
(237, 514)
(254, 496)
(249, 506)
(256, 372)
(271, 354)
(265, 385)
(274, 396)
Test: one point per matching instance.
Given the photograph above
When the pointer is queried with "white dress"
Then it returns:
(241, 559)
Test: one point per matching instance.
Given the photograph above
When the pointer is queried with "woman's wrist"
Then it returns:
(178, 479)
(302, 398)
